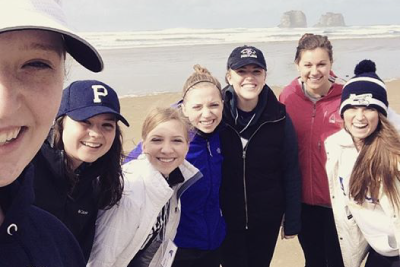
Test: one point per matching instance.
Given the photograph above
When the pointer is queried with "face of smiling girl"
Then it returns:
(203, 106)
(248, 82)
(88, 140)
(166, 146)
(31, 81)
(360, 122)
(314, 67)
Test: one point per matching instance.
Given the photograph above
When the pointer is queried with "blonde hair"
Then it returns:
(160, 115)
(377, 165)
(311, 41)
(200, 75)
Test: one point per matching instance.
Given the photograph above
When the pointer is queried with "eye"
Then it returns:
(177, 140)
(37, 64)
(257, 72)
(196, 107)
(215, 105)
(85, 122)
(240, 71)
(109, 126)
(155, 140)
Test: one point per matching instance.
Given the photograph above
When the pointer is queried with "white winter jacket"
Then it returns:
(341, 153)
(121, 230)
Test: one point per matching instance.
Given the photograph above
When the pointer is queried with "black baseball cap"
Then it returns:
(246, 55)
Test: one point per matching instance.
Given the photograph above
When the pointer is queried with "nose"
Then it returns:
(10, 97)
(166, 148)
(314, 70)
(359, 114)
(206, 113)
(94, 131)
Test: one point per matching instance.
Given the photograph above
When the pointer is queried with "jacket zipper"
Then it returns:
(208, 147)
(244, 165)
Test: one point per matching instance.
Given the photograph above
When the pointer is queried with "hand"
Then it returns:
(289, 236)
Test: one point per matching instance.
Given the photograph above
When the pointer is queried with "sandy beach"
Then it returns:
(134, 109)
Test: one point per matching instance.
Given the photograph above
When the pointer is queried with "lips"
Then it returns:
(315, 79)
(166, 160)
(9, 135)
(207, 123)
(91, 144)
(360, 125)
(249, 86)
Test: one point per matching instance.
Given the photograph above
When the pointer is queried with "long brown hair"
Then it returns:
(110, 182)
(377, 165)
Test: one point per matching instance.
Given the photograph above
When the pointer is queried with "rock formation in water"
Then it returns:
(331, 20)
(293, 19)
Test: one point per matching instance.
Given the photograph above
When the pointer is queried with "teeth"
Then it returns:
(166, 160)
(359, 125)
(7, 137)
(207, 122)
(92, 145)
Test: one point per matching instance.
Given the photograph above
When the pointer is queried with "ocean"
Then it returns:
(149, 62)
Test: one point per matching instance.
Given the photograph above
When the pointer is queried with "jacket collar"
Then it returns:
(268, 108)
(334, 91)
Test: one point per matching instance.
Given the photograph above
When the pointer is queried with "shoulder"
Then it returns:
(289, 89)
(55, 238)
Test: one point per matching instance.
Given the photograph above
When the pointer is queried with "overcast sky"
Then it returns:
(131, 15)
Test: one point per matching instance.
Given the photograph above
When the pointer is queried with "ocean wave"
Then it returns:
(187, 36)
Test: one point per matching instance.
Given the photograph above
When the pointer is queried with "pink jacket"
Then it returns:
(313, 124)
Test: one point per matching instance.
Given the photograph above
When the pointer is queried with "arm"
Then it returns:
(115, 233)
(292, 181)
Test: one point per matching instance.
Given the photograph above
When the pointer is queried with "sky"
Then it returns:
(133, 15)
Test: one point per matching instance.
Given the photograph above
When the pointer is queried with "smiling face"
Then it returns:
(31, 82)
(314, 67)
(203, 106)
(87, 141)
(166, 146)
(247, 81)
(360, 122)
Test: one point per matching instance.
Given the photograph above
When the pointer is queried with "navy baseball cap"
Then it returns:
(82, 100)
(246, 55)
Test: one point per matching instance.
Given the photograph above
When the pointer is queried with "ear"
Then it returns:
(297, 67)
(228, 77)
(183, 108)
(143, 146)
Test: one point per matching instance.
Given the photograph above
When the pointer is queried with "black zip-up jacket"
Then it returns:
(30, 236)
(77, 209)
(260, 181)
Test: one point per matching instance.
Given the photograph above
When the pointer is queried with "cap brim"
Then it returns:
(91, 111)
(245, 62)
(77, 47)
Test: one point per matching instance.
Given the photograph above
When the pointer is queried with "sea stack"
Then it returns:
(331, 20)
(293, 19)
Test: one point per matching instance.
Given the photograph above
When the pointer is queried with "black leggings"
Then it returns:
(197, 258)
(318, 237)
